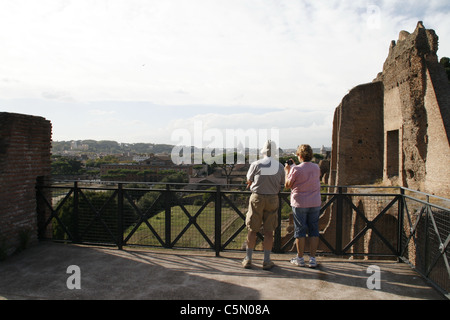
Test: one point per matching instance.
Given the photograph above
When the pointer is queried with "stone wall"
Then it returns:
(402, 116)
(394, 131)
(357, 156)
(25, 149)
(416, 112)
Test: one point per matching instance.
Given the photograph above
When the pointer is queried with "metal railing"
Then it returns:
(370, 222)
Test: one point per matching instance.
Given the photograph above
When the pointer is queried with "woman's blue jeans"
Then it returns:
(306, 221)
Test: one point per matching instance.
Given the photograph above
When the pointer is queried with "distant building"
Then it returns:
(140, 158)
(74, 145)
(323, 151)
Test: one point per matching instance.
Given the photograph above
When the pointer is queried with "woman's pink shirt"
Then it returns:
(305, 190)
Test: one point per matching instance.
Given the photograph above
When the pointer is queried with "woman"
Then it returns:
(304, 182)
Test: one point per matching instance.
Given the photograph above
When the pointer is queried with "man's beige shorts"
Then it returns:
(262, 211)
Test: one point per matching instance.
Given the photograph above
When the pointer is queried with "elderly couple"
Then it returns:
(304, 182)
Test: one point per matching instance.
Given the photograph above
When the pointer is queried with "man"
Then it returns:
(265, 179)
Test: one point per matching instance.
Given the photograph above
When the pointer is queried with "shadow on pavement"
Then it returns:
(132, 274)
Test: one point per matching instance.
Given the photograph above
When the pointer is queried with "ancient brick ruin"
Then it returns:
(396, 129)
(25, 146)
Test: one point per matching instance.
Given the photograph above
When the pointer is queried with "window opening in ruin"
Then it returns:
(392, 156)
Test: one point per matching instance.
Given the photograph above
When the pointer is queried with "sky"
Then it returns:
(141, 70)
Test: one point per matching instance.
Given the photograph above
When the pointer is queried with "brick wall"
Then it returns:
(406, 121)
(357, 155)
(25, 148)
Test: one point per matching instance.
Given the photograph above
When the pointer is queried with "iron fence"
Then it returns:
(362, 222)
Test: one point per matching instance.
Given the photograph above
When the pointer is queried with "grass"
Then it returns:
(192, 236)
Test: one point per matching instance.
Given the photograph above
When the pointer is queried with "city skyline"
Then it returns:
(137, 71)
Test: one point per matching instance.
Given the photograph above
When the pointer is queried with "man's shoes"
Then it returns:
(246, 263)
(267, 265)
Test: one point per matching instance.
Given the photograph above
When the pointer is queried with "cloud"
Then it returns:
(292, 126)
(219, 52)
(269, 53)
(57, 95)
(97, 112)
(291, 61)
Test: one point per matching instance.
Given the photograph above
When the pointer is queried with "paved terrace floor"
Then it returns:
(40, 273)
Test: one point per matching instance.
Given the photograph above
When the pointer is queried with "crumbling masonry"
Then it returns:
(396, 129)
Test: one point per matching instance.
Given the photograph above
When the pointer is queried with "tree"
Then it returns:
(227, 168)
(87, 224)
(66, 166)
(445, 62)
(284, 159)
(176, 177)
(148, 200)
(103, 160)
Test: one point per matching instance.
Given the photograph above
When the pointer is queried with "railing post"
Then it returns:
(339, 217)
(76, 202)
(401, 221)
(218, 221)
(120, 216)
(426, 253)
(168, 218)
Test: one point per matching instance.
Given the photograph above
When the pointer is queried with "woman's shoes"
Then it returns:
(300, 262)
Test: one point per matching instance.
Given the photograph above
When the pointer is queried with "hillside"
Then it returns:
(109, 147)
